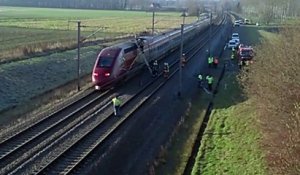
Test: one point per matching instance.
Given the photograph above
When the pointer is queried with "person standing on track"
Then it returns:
(140, 43)
(116, 104)
(166, 70)
(155, 68)
(183, 60)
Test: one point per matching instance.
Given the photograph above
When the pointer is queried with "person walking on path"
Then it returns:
(116, 104)
(210, 80)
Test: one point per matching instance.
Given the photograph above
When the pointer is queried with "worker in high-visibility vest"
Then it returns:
(233, 54)
(116, 104)
(200, 80)
(240, 64)
(247, 62)
(210, 61)
(210, 80)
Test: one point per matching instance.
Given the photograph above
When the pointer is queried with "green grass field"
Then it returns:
(230, 144)
(37, 29)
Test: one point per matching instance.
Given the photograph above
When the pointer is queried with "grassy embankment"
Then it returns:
(29, 30)
(231, 144)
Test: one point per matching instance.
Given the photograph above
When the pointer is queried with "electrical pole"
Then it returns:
(184, 14)
(180, 62)
(78, 57)
(153, 15)
(210, 28)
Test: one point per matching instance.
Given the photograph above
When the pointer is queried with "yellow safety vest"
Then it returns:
(116, 102)
(210, 60)
(209, 79)
(247, 63)
(232, 56)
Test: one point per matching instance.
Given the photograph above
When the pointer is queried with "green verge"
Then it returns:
(230, 144)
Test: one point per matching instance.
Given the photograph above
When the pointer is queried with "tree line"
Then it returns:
(85, 4)
(268, 10)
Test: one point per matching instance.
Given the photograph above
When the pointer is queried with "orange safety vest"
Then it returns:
(216, 61)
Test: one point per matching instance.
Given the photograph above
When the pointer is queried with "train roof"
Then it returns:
(124, 45)
(157, 38)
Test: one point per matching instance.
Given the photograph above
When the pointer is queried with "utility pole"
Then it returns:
(78, 56)
(210, 33)
(153, 15)
(180, 62)
(184, 14)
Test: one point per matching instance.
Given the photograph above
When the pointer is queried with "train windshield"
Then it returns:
(107, 57)
(105, 62)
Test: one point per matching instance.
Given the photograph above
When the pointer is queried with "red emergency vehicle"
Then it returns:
(245, 53)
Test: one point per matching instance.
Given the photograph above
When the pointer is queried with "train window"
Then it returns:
(105, 62)
(134, 47)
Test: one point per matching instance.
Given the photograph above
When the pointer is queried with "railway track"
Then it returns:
(62, 141)
(13, 150)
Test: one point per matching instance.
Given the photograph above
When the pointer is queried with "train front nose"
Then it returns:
(101, 77)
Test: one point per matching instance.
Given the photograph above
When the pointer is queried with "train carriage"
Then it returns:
(115, 61)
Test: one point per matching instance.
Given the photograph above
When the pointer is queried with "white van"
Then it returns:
(246, 21)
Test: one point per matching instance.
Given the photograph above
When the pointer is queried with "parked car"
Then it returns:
(237, 40)
(235, 36)
(232, 44)
(246, 21)
(237, 23)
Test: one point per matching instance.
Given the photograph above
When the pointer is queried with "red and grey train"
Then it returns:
(115, 62)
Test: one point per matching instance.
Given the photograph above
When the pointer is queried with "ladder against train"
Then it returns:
(141, 53)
